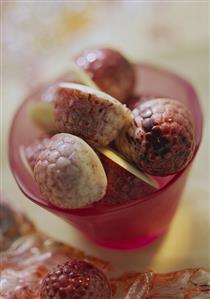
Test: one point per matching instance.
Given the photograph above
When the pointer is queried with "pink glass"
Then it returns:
(129, 225)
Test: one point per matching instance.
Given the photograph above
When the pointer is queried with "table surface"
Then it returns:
(161, 41)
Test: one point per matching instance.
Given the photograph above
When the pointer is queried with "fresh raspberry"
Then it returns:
(123, 186)
(33, 150)
(110, 70)
(161, 139)
(69, 173)
(91, 114)
(75, 279)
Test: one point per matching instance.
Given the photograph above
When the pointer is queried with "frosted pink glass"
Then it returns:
(128, 225)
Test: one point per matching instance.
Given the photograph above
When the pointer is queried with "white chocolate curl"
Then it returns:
(69, 173)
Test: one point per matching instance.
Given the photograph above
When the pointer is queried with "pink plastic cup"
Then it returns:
(128, 225)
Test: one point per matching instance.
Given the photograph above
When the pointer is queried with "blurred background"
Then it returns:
(37, 43)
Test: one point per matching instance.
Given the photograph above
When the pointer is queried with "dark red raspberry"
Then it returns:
(110, 70)
(75, 280)
(161, 139)
(33, 150)
(123, 186)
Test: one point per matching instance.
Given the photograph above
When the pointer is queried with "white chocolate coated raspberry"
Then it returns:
(69, 173)
(91, 114)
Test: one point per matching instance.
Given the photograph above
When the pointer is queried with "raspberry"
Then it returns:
(75, 279)
(110, 70)
(93, 115)
(161, 139)
(69, 173)
(122, 186)
(33, 150)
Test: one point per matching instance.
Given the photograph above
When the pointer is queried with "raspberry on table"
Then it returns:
(69, 173)
(161, 139)
(76, 279)
(90, 114)
(110, 70)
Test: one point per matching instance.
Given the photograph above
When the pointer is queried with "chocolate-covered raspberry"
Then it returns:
(110, 70)
(75, 279)
(33, 150)
(91, 114)
(69, 173)
(161, 139)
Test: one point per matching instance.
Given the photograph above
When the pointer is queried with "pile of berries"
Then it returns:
(157, 136)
